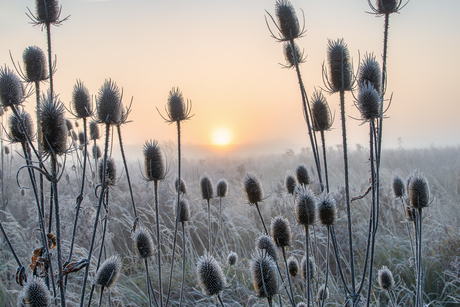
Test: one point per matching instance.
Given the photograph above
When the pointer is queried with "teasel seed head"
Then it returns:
(370, 72)
(302, 174)
(267, 245)
(287, 20)
(210, 275)
(52, 132)
(108, 103)
(110, 172)
(184, 210)
(305, 207)
(290, 183)
(368, 102)
(74, 136)
(143, 242)
(81, 138)
(176, 108)
(252, 188)
(35, 293)
(323, 292)
(108, 272)
(183, 185)
(289, 56)
(232, 258)
(96, 151)
(339, 66)
(388, 6)
(68, 125)
(281, 231)
(264, 275)
(327, 210)
(399, 189)
(311, 267)
(94, 132)
(418, 191)
(321, 113)
(20, 126)
(81, 101)
(293, 266)
(47, 11)
(207, 189)
(385, 277)
(221, 188)
(11, 89)
(6, 150)
(35, 66)
(154, 165)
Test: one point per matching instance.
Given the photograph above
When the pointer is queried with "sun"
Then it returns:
(221, 137)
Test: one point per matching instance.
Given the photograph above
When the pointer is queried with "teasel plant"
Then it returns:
(221, 192)
(177, 111)
(108, 112)
(289, 29)
(107, 275)
(254, 193)
(210, 276)
(264, 276)
(386, 282)
(207, 193)
(184, 216)
(155, 171)
(94, 135)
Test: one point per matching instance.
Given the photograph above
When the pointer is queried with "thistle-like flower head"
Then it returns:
(399, 189)
(20, 127)
(370, 72)
(52, 132)
(210, 275)
(281, 231)
(177, 109)
(418, 191)
(81, 101)
(35, 293)
(207, 188)
(232, 258)
(368, 102)
(289, 55)
(11, 88)
(154, 165)
(327, 211)
(110, 172)
(267, 245)
(109, 109)
(321, 113)
(108, 272)
(311, 267)
(221, 188)
(290, 183)
(302, 174)
(143, 243)
(183, 185)
(385, 278)
(264, 275)
(252, 188)
(384, 7)
(184, 210)
(340, 70)
(293, 266)
(35, 66)
(94, 133)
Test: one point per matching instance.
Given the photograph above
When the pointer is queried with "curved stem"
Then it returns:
(126, 169)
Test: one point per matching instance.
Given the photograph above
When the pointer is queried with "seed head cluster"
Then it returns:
(289, 55)
(293, 266)
(94, 132)
(184, 210)
(302, 174)
(110, 172)
(311, 267)
(47, 11)
(183, 185)
(287, 20)
(323, 293)
(290, 183)
(321, 114)
(176, 107)
(368, 101)
(210, 275)
(108, 272)
(327, 211)
(370, 72)
(232, 258)
(398, 186)
(267, 245)
(108, 103)
(385, 278)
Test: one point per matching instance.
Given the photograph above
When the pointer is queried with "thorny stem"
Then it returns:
(183, 265)
(288, 276)
(126, 169)
(50, 63)
(209, 227)
(10, 246)
(323, 142)
(327, 267)
(100, 298)
(149, 284)
(419, 299)
(157, 217)
(337, 259)
(42, 195)
(261, 218)
(307, 265)
(220, 300)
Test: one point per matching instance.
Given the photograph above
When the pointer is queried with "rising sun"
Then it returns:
(221, 137)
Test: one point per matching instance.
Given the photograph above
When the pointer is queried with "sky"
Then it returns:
(220, 54)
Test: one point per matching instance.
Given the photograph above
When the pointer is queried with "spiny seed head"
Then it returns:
(398, 186)
(96, 151)
(210, 275)
(264, 275)
(327, 210)
(207, 188)
(290, 183)
(68, 124)
(34, 64)
(293, 266)
(311, 267)
(221, 188)
(34, 294)
(267, 245)
(385, 277)
(108, 272)
(289, 55)
(81, 100)
(388, 6)
(302, 174)
(323, 293)
(339, 66)
(321, 113)
(74, 136)
(108, 103)
(184, 210)
(305, 207)
(287, 20)
(368, 101)
(52, 132)
(110, 172)
(143, 242)
(81, 138)
(94, 133)
(20, 126)
(252, 188)
(176, 108)
(232, 258)
(11, 89)
(47, 11)
(183, 185)
(6, 149)
(418, 191)
(281, 231)
(370, 72)
(154, 165)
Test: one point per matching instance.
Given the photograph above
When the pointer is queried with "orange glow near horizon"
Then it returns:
(221, 137)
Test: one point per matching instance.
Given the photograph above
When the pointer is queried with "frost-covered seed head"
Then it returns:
(398, 186)
(207, 188)
(20, 127)
(302, 174)
(370, 72)
(385, 277)
(321, 114)
(81, 100)
(108, 272)
(68, 124)
(252, 188)
(143, 242)
(418, 191)
(154, 165)
(35, 67)
(323, 293)
(81, 138)
(339, 66)
(52, 130)
(311, 267)
(110, 173)
(232, 258)
(293, 266)
(327, 210)
(176, 108)
(221, 188)
(34, 294)
(388, 6)
(265, 243)
(210, 275)
(183, 185)
(289, 56)
(96, 151)
(94, 133)
(184, 210)
(47, 11)
(290, 183)
(287, 20)
(305, 207)
(108, 103)
(368, 101)
(264, 275)
(11, 89)
(281, 231)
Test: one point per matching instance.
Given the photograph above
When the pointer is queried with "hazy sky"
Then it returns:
(221, 56)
